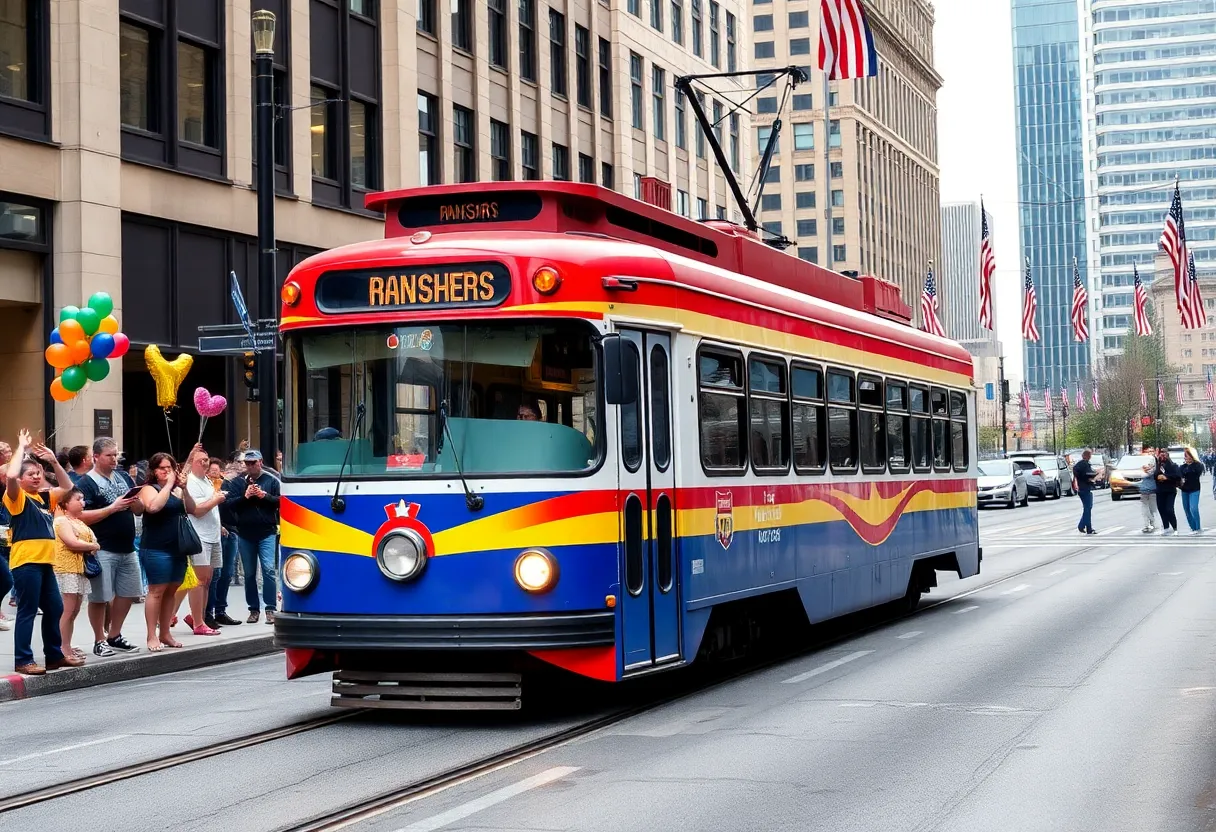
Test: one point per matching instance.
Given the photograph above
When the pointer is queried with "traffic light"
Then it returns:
(1005, 391)
(250, 362)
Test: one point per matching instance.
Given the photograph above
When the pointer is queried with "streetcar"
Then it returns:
(544, 425)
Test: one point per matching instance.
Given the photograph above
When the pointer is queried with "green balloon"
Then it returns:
(74, 378)
(101, 303)
(68, 313)
(96, 369)
(89, 321)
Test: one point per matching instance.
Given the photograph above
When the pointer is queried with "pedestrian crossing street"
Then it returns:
(1063, 532)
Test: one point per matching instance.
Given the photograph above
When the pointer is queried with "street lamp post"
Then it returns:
(268, 397)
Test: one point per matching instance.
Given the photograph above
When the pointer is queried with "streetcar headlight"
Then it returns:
(535, 570)
(402, 555)
(300, 571)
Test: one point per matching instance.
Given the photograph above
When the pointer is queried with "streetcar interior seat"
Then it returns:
(486, 446)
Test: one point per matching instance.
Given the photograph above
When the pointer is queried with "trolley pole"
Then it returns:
(263, 25)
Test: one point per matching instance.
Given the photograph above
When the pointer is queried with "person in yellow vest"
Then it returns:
(32, 555)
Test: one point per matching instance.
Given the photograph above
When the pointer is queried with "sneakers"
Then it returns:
(1149, 529)
(254, 615)
(100, 648)
(6, 623)
(30, 669)
(227, 620)
(66, 661)
(1196, 532)
(1166, 532)
(269, 616)
(122, 645)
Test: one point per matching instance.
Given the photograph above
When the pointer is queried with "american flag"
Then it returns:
(928, 307)
(1047, 401)
(1160, 392)
(1080, 305)
(1211, 389)
(1173, 240)
(1178, 390)
(1080, 399)
(846, 44)
(1030, 309)
(1064, 401)
(1097, 401)
(1143, 327)
(987, 270)
(1026, 401)
(1199, 315)
(1143, 399)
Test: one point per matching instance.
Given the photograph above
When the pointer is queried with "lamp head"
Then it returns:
(263, 32)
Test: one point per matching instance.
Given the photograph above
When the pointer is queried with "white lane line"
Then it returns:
(967, 609)
(65, 748)
(472, 807)
(1057, 572)
(1111, 530)
(1169, 573)
(824, 668)
(1017, 588)
(912, 634)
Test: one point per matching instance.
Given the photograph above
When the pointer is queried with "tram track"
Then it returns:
(368, 808)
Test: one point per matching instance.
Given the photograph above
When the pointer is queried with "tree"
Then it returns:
(1140, 367)
(988, 440)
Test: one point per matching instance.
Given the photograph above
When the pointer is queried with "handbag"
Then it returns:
(188, 542)
(191, 579)
(92, 566)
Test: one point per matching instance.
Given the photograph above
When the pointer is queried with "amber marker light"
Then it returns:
(291, 293)
(546, 280)
(610, 601)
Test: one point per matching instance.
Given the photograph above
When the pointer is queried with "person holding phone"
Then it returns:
(111, 503)
(254, 498)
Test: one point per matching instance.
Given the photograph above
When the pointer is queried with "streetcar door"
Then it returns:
(650, 600)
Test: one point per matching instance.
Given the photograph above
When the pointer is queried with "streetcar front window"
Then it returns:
(491, 398)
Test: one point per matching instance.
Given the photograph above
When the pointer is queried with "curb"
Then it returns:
(16, 686)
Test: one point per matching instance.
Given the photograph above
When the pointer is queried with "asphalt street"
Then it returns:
(1077, 692)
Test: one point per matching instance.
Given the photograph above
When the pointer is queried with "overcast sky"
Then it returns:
(976, 147)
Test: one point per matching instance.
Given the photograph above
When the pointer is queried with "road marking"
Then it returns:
(1057, 572)
(472, 807)
(967, 609)
(912, 634)
(1111, 530)
(1017, 588)
(824, 668)
(1169, 573)
(65, 748)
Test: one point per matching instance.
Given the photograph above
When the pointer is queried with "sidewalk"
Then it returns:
(197, 651)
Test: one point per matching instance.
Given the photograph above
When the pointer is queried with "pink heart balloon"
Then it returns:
(208, 405)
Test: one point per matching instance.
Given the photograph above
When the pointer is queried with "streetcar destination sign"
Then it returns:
(447, 286)
(508, 206)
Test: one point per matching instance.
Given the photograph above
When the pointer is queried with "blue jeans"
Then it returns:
(1087, 507)
(221, 579)
(254, 552)
(37, 587)
(1190, 507)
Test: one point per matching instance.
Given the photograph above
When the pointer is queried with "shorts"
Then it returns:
(73, 584)
(163, 567)
(212, 555)
(119, 577)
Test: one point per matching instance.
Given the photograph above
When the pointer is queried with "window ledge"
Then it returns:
(9, 133)
(428, 36)
(359, 212)
(501, 70)
(219, 180)
(279, 194)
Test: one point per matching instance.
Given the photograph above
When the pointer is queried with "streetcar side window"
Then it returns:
(898, 427)
(958, 430)
(722, 411)
(871, 431)
(842, 420)
(809, 438)
(941, 430)
(918, 403)
(631, 418)
(768, 405)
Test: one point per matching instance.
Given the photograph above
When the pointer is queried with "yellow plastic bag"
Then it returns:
(191, 580)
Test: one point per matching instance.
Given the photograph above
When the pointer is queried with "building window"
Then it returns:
(798, 20)
(656, 14)
(462, 24)
(527, 40)
(808, 228)
(717, 122)
(720, 211)
(772, 227)
(702, 209)
(606, 177)
(634, 8)
(766, 106)
(561, 162)
(586, 168)
(324, 134)
(834, 132)
(500, 151)
(734, 141)
(24, 64)
(770, 202)
(677, 21)
(773, 176)
(635, 90)
(582, 65)
(363, 133)
(803, 102)
(135, 71)
(763, 135)
(428, 155)
(838, 254)
(837, 225)
(804, 136)
(804, 173)
(698, 35)
(464, 132)
(605, 78)
(837, 199)
(763, 49)
(715, 35)
(681, 122)
(762, 23)
(637, 186)
(658, 81)
(426, 16)
(804, 200)
(809, 253)
(837, 170)
(197, 101)
(557, 53)
(834, 99)
(498, 33)
(732, 59)
(800, 46)
(682, 203)
(700, 133)
(529, 154)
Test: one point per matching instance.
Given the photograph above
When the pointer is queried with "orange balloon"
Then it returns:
(71, 332)
(59, 356)
(81, 351)
(59, 393)
(109, 324)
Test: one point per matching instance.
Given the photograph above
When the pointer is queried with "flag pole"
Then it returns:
(827, 165)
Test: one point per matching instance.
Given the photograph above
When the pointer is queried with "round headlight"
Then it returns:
(300, 571)
(535, 570)
(402, 554)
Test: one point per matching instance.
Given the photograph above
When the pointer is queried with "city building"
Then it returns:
(126, 165)
(1192, 352)
(881, 174)
(1150, 120)
(1048, 96)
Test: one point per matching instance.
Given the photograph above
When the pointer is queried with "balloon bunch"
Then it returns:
(83, 345)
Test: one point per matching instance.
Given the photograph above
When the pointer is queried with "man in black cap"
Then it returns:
(254, 499)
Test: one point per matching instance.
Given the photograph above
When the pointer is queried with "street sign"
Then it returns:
(989, 391)
(238, 300)
(264, 341)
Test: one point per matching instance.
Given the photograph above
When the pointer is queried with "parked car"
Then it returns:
(1036, 483)
(1125, 479)
(1102, 465)
(1057, 475)
(1001, 482)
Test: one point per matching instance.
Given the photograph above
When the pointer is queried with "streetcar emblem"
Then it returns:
(725, 521)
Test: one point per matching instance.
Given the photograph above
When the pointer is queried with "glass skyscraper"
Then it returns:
(1048, 78)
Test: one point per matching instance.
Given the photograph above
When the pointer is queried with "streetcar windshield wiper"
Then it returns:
(473, 501)
(338, 503)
